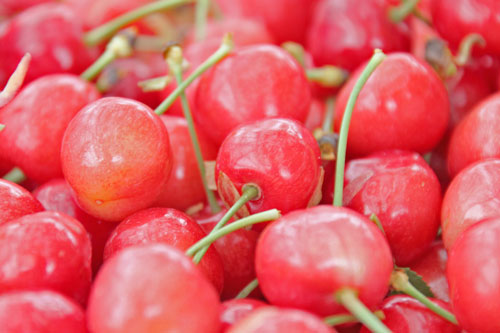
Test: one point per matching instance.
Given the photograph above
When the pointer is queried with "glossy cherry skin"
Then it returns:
(56, 196)
(472, 271)
(345, 32)
(233, 310)
(472, 196)
(404, 314)
(318, 251)
(403, 191)
(46, 250)
(454, 19)
(254, 82)
(168, 226)
(152, 288)
(402, 96)
(41, 311)
(271, 319)
(36, 120)
(10, 7)
(116, 157)
(16, 201)
(52, 33)
(279, 156)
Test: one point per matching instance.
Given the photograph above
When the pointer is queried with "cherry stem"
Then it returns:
(330, 111)
(108, 29)
(327, 76)
(376, 59)
(174, 61)
(250, 192)
(465, 48)
(340, 319)
(201, 13)
(2, 126)
(248, 289)
(15, 80)
(15, 175)
(349, 299)
(297, 51)
(224, 49)
(376, 220)
(266, 216)
(401, 283)
(400, 13)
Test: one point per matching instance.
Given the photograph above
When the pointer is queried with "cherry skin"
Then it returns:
(46, 250)
(402, 96)
(404, 314)
(345, 32)
(152, 288)
(168, 226)
(472, 196)
(403, 192)
(10, 7)
(116, 157)
(316, 115)
(16, 201)
(36, 120)
(233, 310)
(254, 82)
(472, 271)
(41, 311)
(306, 252)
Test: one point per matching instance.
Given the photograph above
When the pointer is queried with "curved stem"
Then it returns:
(327, 76)
(297, 51)
(465, 48)
(340, 319)
(399, 13)
(107, 30)
(328, 119)
(248, 289)
(376, 220)
(104, 60)
(375, 60)
(201, 13)
(15, 175)
(15, 81)
(349, 299)
(224, 49)
(266, 216)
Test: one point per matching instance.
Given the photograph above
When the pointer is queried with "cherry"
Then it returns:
(41, 311)
(127, 297)
(46, 250)
(116, 157)
(403, 192)
(10, 7)
(404, 314)
(279, 89)
(36, 120)
(472, 196)
(472, 272)
(402, 96)
(16, 202)
(168, 226)
(316, 115)
(233, 310)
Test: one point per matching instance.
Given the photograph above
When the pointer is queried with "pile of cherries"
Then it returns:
(249, 166)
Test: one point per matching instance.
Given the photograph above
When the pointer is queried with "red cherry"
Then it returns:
(316, 115)
(236, 309)
(116, 157)
(307, 256)
(401, 97)
(254, 82)
(472, 196)
(473, 267)
(403, 192)
(15, 202)
(11, 7)
(36, 120)
(40, 311)
(46, 250)
(152, 288)
(168, 226)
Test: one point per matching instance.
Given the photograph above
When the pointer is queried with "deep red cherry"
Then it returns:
(404, 314)
(40, 311)
(316, 115)
(308, 255)
(402, 96)
(152, 288)
(56, 196)
(116, 157)
(473, 195)
(473, 267)
(10, 7)
(168, 226)
(36, 120)
(236, 309)
(403, 192)
(254, 82)
(16, 201)
(345, 32)
(46, 250)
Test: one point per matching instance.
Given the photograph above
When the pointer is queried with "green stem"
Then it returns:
(268, 215)
(465, 48)
(376, 220)
(349, 299)
(224, 49)
(297, 51)
(108, 29)
(2, 126)
(400, 13)
(375, 60)
(327, 76)
(248, 289)
(201, 13)
(15, 175)
(250, 192)
(330, 111)
(174, 62)
(104, 60)
(340, 319)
